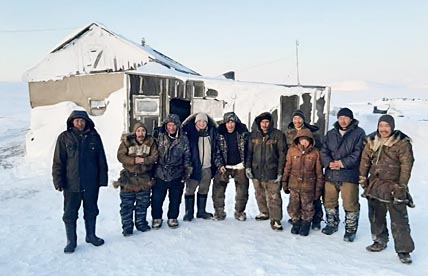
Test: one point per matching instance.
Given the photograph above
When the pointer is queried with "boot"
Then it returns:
(376, 247)
(296, 227)
(202, 204)
(90, 233)
(351, 225)
(304, 228)
(189, 202)
(219, 214)
(316, 221)
(405, 258)
(276, 225)
(332, 220)
(70, 231)
(262, 216)
(241, 216)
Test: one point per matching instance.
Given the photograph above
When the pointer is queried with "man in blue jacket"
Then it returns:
(341, 156)
(79, 169)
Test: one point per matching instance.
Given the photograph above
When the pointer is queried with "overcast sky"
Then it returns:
(340, 41)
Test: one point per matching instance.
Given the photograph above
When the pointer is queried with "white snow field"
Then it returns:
(33, 236)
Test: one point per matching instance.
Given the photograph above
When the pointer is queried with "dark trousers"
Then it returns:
(399, 224)
(134, 201)
(175, 192)
(72, 202)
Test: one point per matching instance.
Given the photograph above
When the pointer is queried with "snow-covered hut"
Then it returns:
(89, 65)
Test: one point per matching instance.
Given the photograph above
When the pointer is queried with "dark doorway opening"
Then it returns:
(180, 107)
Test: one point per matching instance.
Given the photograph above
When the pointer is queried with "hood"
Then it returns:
(191, 121)
(231, 116)
(304, 133)
(80, 114)
(256, 124)
(171, 118)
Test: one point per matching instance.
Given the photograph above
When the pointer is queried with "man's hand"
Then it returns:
(336, 165)
(248, 173)
(278, 178)
(139, 160)
(362, 180)
(222, 169)
(285, 188)
(187, 173)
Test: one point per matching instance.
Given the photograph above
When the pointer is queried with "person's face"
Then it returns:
(230, 126)
(384, 129)
(304, 142)
(140, 133)
(298, 122)
(344, 121)
(264, 125)
(79, 123)
(171, 128)
(201, 124)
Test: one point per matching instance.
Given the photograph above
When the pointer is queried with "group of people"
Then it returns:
(184, 157)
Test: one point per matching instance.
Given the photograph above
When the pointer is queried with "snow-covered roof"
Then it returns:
(94, 48)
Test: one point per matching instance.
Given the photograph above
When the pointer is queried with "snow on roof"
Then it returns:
(94, 48)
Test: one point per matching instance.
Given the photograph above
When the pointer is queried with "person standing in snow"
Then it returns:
(174, 167)
(138, 154)
(341, 156)
(79, 169)
(233, 142)
(298, 122)
(303, 180)
(385, 170)
(267, 148)
(206, 161)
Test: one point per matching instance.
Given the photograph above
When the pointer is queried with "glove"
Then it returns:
(362, 180)
(278, 178)
(248, 173)
(399, 193)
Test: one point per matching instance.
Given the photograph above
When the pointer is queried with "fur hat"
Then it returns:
(345, 112)
(299, 113)
(201, 116)
(264, 116)
(389, 119)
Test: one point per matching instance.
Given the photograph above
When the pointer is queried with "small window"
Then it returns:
(97, 107)
(146, 106)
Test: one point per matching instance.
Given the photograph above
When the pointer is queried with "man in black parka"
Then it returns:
(79, 169)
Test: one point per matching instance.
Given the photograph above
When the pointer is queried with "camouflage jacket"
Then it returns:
(388, 165)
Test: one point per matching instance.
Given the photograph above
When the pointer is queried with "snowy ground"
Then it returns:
(33, 235)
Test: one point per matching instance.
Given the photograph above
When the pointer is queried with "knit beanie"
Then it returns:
(345, 112)
(201, 116)
(299, 113)
(137, 125)
(387, 118)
